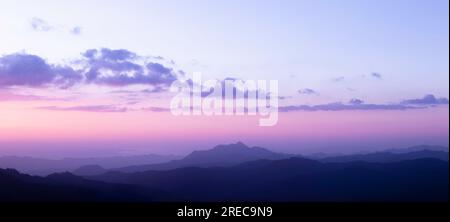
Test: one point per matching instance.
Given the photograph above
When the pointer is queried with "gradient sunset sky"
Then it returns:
(90, 78)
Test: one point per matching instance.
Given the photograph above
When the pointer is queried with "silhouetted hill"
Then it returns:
(384, 157)
(17, 187)
(89, 170)
(221, 155)
(417, 148)
(298, 179)
(39, 166)
(237, 172)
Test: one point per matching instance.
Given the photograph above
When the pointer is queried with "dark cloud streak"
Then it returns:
(426, 100)
(357, 104)
(376, 75)
(307, 91)
(342, 107)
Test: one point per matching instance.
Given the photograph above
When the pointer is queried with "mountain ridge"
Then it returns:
(299, 179)
(43, 167)
(19, 187)
(384, 157)
(220, 155)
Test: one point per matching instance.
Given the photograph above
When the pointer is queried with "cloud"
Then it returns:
(40, 25)
(376, 75)
(122, 67)
(427, 100)
(158, 68)
(353, 104)
(10, 96)
(32, 70)
(284, 97)
(106, 54)
(338, 79)
(341, 107)
(77, 30)
(96, 108)
(233, 83)
(156, 109)
(136, 93)
(356, 101)
(357, 104)
(156, 89)
(307, 91)
(111, 67)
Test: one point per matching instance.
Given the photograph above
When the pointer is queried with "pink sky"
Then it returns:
(26, 129)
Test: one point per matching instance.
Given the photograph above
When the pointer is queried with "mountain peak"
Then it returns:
(239, 143)
(221, 155)
(10, 172)
(232, 146)
(65, 177)
(230, 154)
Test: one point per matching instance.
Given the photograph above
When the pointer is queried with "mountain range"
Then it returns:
(221, 155)
(385, 157)
(299, 179)
(41, 166)
(236, 172)
(293, 179)
(66, 187)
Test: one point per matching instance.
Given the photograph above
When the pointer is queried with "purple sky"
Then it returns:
(353, 75)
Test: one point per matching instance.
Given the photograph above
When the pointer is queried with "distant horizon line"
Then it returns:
(180, 156)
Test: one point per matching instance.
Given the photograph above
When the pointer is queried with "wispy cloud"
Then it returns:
(156, 89)
(338, 79)
(38, 24)
(357, 104)
(156, 109)
(10, 96)
(284, 97)
(341, 107)
(13, 96)
(307, 91)
(239, 86)
(95, 108)
(41, 25)
(376, 75)
(77, 30)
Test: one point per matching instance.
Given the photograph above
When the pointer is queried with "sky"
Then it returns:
(90, 78)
